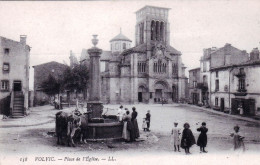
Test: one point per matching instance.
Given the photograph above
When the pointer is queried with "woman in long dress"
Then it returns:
(126, 128)
(203, 139)
(187, 139)
(135, 124)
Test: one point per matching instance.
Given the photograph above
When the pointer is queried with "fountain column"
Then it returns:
(94, 104)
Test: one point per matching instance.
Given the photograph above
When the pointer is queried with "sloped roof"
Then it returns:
(198, 68)
(172, 50)
(143, 47)
(106, 55)
(52, 62)
(120, 37)
(137, 49)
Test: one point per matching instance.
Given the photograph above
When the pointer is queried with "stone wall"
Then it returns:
(18, 60)
(251, 85)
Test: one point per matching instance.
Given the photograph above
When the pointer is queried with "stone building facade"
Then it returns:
(235, 85)
(41, 74)
(150, 71)
(194, 91)
(14, 76)
(231, 79)
(217, 57)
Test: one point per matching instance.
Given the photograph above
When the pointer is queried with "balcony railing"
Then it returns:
(202, 86)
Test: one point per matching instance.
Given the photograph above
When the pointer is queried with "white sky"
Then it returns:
(55, 28)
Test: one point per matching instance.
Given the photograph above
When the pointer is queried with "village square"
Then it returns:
(140, 96)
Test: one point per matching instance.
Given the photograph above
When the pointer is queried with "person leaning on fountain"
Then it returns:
(120, 113)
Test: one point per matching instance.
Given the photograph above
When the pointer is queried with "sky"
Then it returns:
(53, 28)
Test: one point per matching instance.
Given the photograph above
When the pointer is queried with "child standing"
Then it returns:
(176, 137)
(148, 119)
(187, 139)
(144, 126)
(238, 139)
(203, 139)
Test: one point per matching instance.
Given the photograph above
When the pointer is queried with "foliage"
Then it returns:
(76, 78)
(51, 85)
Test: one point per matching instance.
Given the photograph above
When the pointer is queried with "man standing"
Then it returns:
(61, 102)
(148, 119)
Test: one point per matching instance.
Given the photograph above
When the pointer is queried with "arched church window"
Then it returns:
(157, 29)
(152, 30)
(164, 68)
(141, 32)
(162, 31)
(124, 46)
(141, 67)
(175, 69)
(160, 65)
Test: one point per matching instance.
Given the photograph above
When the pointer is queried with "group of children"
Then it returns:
(188, 139)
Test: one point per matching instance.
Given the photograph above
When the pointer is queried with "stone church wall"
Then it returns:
(115, 90)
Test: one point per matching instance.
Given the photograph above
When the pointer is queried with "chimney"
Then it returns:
(23, 39)
(227, 44)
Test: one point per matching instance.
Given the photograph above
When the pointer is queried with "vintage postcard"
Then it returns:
(130, 82)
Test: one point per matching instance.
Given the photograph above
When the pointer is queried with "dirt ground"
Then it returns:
(39, 140)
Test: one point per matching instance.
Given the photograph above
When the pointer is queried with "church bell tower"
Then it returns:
(152, 26)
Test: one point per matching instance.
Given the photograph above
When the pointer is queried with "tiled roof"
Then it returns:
(138, 49)
(52, 62)
(120, 37)
(142, 49)
(106, 55)
(172, 50)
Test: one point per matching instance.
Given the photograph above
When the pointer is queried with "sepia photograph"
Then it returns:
(130, 82)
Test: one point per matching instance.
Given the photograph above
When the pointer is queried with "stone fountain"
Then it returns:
(98, 127)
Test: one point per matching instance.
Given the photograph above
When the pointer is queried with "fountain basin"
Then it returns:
(104, 131)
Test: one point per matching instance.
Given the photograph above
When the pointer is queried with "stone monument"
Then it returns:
(94, 104)
(99, 128)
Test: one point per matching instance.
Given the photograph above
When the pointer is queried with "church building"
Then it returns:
(150, 71)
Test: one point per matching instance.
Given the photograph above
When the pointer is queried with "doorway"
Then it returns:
(222, 104)
(140, 97)
(17, 86)
(195, 98)
(158, 94)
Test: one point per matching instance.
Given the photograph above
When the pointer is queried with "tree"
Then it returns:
(76, 79)
(51, 85)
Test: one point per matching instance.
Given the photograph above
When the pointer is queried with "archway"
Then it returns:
(161, 91)
(174, 93)
(141, 93)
